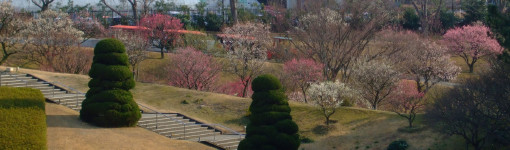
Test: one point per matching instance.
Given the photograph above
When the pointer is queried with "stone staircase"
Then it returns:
(175, 126)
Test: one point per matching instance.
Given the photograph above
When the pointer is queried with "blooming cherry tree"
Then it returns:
(328, 96)
(427, 63)
(302, 73)
(193, 69)
(407, 101)
(247, 45)
(471, 43)
(136, 44)
(162, 30)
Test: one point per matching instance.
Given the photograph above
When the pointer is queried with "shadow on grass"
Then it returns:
(67, 121)
(243, 121)
(323, 129)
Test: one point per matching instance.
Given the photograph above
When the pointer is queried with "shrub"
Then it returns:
(271, 126)
(214, 22)
(22, 119)
(109, 103)
(411, 20)
(398, 145)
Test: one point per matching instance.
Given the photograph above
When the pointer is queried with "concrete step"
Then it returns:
(225, 141)
(208, 134)
(164, 120)
(181, 127)
(164, 124)
(191, 134)
(229, 144)
(181, 130)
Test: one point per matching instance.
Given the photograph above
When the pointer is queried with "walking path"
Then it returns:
(66, 131)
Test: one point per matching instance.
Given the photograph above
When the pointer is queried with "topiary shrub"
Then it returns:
(398, 145)
(271, 126)
(108, 102)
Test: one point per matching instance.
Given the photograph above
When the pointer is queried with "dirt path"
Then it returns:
(66, 131)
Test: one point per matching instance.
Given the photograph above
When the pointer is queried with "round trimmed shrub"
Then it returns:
(109, 103)
(398, 145)
(265, 83)
(271, 125)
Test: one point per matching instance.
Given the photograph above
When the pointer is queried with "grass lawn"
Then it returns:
(355, 128)
(22, 119)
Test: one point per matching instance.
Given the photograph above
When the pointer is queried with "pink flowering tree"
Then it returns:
(471, 43)
(162, 30)
(407, 101)
(302, 73)
(193, 69)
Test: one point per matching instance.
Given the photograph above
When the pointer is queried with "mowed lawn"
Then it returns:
(355, 128)
(22, 119)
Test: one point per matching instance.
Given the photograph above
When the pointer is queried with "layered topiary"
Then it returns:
(271, 126)
(108, 102)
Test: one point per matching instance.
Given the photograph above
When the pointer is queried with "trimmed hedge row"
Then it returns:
(22, 119)
(271, 126)
(108, 102)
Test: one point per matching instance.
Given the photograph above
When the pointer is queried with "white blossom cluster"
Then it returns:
(328, 96)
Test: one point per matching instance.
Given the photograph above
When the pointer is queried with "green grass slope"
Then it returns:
(22, 119)
(355, 128)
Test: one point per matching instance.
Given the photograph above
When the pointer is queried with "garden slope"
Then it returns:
(355, 128)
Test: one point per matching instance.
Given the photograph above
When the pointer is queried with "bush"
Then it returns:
(109, 103)
(271, 126)
(398, 145)
(214, 22)
(22, 119)
(411, 21)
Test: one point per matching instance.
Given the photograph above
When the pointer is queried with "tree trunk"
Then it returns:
(245, 88)
(233, 11)
(410, 122)
(327, 120)
(471, 67)
(44, 7)
(162, 53)
(304, 94)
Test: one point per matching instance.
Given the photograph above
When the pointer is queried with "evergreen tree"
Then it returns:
(499, 22)
(475, 11)
(271, 126)
(108, 102)
(411, 21)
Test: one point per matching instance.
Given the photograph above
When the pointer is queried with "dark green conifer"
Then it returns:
(108, 102)
(271, 126)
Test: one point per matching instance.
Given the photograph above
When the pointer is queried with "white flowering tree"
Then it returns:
(51, 37)
(247, 47)
(136, 44)
(10, 27)
(375, 80)
(328, 96)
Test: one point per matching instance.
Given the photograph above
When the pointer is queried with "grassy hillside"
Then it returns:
(22, 119)
(355, 128)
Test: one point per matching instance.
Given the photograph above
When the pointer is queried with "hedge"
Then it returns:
(22, 119)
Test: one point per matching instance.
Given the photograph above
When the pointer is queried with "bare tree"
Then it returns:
(337, 38)
(136, 44)
(43, 4)
(247, 46)
(134, 8)
(427, 17)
